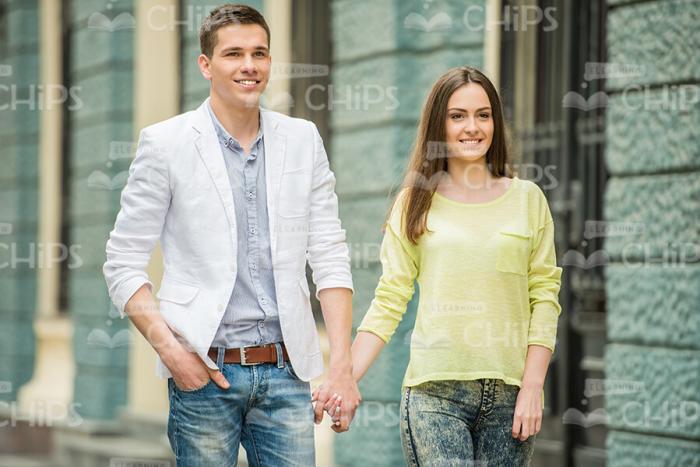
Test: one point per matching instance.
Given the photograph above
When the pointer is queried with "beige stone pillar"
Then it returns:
(278, 14)
(526, 70)
(492, 41)
(157, 96)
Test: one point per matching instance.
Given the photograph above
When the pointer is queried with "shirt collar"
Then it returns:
(229, 141)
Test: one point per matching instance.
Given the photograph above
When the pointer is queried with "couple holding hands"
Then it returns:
(241, 198)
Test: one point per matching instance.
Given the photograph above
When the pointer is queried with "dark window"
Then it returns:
(67, 26)
(311, 45)
(550, 133)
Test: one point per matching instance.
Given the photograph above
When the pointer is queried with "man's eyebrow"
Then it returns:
(463, 110)
(238, 49)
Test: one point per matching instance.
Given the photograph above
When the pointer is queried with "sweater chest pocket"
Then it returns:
(513, 251)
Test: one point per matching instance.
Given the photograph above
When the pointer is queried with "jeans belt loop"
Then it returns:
(280, 355)
(220, 357)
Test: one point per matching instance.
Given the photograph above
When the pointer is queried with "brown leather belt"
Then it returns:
(253, 355)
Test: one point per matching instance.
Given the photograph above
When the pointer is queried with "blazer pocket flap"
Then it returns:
(177, 292)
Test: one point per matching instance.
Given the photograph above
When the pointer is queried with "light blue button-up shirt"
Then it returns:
(251, 316)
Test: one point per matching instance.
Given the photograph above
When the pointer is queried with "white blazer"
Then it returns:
(178, 192)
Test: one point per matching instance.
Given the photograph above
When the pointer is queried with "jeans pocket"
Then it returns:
(192, 391)
(290, 371)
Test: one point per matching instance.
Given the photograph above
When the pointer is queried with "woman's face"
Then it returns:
(469, 123)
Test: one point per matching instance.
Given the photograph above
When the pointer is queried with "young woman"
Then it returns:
(480, 245)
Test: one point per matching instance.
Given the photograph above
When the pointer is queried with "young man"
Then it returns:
(239, 197)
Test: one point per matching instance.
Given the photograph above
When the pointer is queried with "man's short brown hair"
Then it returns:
(225, 15)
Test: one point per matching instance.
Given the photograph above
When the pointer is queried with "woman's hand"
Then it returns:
(527, 420)
(340, 397)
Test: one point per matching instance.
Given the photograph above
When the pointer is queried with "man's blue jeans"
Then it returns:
(267, 409)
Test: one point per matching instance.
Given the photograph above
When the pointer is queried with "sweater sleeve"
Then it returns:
(544, 280)
(396, 285)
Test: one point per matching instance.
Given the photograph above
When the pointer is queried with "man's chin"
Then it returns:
(247, 100)
(250, 101)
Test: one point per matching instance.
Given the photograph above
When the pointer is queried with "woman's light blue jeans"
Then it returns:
(462, 423)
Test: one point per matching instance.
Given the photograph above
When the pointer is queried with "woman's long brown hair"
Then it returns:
(429, 159)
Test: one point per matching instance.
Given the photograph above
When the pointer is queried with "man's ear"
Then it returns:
(204, 66)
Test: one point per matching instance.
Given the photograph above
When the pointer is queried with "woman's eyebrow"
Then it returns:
(463, 110)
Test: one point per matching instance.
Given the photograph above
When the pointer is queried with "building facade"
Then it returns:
(603, 101)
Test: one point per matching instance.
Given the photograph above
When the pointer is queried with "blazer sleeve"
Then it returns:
(328, 252)
(144, 204)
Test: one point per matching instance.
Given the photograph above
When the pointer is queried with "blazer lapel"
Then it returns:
(207, 144)
(275, 151)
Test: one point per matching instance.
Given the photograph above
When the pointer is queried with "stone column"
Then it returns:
(386, 55)
(100, 145)
(653, 282)
(20, 255)
(52, 383)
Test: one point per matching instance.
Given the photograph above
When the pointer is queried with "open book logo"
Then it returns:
(100, 338)
(440, 22)
(576, 417)
(5, 70)
(577, 101)
(421, 182)
(99, 180)
(5, 228)
(576, 259)
(121, 150)
(100, 22)
(280, 100)
(427, 343)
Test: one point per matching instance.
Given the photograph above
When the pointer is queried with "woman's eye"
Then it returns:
(455, 116)
(484, 116)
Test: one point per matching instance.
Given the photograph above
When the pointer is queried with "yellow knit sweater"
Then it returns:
(488, 286)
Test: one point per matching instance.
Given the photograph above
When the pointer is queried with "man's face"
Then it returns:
(239, 68)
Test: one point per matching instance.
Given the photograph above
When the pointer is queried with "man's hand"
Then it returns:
(189, 371)
(340, 397)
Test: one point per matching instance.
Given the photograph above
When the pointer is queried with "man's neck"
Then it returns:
(242, 123)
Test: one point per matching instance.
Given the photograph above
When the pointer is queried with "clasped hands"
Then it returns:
(338, 396)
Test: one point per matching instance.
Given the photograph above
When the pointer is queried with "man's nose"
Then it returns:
(248, 64)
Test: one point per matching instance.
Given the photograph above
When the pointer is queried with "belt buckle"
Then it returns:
(244, 362)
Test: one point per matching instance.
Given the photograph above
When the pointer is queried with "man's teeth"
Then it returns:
(247, 81)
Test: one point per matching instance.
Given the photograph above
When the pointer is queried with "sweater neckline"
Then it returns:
(497, 200)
